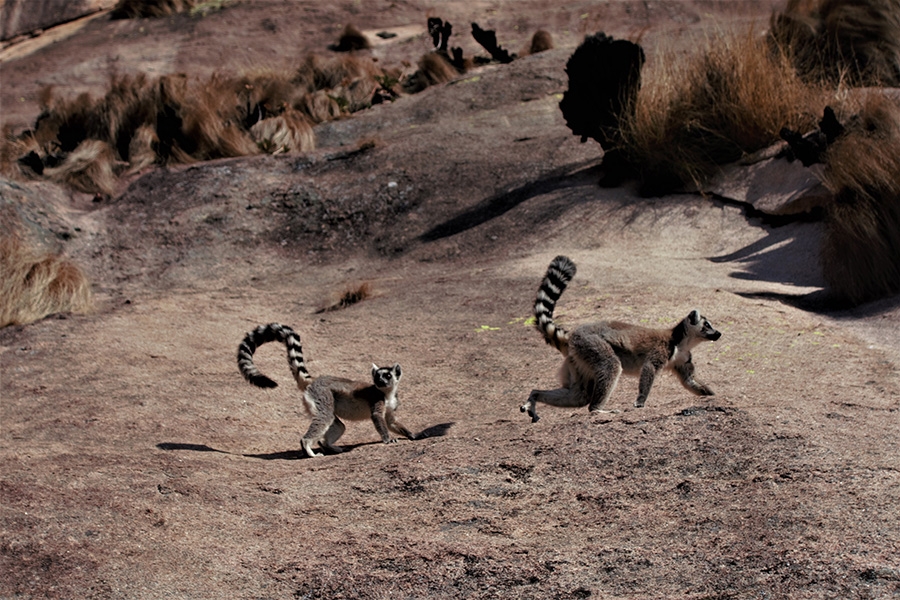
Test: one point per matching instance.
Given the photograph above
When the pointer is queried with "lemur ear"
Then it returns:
(694, 317)
(397, 370)
(374, 368)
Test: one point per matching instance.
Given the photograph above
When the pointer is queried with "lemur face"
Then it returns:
(702, 328)
(385, 377)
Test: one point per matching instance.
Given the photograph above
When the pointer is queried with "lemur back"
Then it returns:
(328, 399)
(596, 354)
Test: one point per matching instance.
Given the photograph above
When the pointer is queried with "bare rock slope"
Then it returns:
(138, 463)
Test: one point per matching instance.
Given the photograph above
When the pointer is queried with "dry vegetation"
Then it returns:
(697, 112)
(861, 249)
(849, 41)
(140, 9)
(351, 296)
(35, 283)
(87, 143)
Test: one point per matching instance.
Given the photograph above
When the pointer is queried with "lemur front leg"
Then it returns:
(686, 375)
(648, 375)
(394, 425)
(378, 411)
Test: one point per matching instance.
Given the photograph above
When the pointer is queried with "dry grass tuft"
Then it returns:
(434, 69)
(351, 39)
(143, 148)
(697, 112)
(855, 42)
(35, 284)
(90, 168)
(320, 106)
(136, 9)
(861, 250)
(350, 297)
(290, 131)
(211, 123)
(540, 42)
(323, 73)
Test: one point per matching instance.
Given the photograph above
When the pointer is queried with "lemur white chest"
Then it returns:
(390, 399)
(679, 357)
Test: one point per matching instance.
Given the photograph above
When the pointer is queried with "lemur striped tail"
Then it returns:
(559, 274)
(264, 334)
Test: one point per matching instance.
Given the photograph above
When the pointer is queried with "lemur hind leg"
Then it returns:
(320, 403)
(596, 364)
(572, 397)
(332, 435)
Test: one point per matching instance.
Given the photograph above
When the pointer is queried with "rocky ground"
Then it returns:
(139, 464)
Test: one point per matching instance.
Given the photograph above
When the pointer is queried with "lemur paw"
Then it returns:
(526, 408)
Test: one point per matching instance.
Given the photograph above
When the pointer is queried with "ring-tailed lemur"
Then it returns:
(328, 399)
(597, 353)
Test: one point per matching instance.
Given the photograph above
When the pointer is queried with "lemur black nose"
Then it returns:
(715, 336)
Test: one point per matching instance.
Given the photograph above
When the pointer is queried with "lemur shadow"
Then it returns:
(497, 205)
(191, 447)
(433, 431)
(283, 455)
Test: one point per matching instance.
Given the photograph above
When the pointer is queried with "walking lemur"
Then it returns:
(597, 353)
(328, 399)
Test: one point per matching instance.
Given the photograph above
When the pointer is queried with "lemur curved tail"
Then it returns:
(273, 332)
(559, 274)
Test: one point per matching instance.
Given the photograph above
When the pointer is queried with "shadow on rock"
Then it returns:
(785, 256)
(501, 203)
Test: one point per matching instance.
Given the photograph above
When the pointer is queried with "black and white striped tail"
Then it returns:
(273, 332)
(559, 274)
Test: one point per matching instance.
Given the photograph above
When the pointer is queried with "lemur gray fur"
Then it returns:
(328, 399)
(597, 353)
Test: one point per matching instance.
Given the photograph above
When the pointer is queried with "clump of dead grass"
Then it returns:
(860, 253)
(852, 42)
(351, 39)
(434, 68)
(291, 131)
(541, 41)
(88, 142)
(351, 296)
(35, 283)
(699, 111)
(136, 9)
(91, 167)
